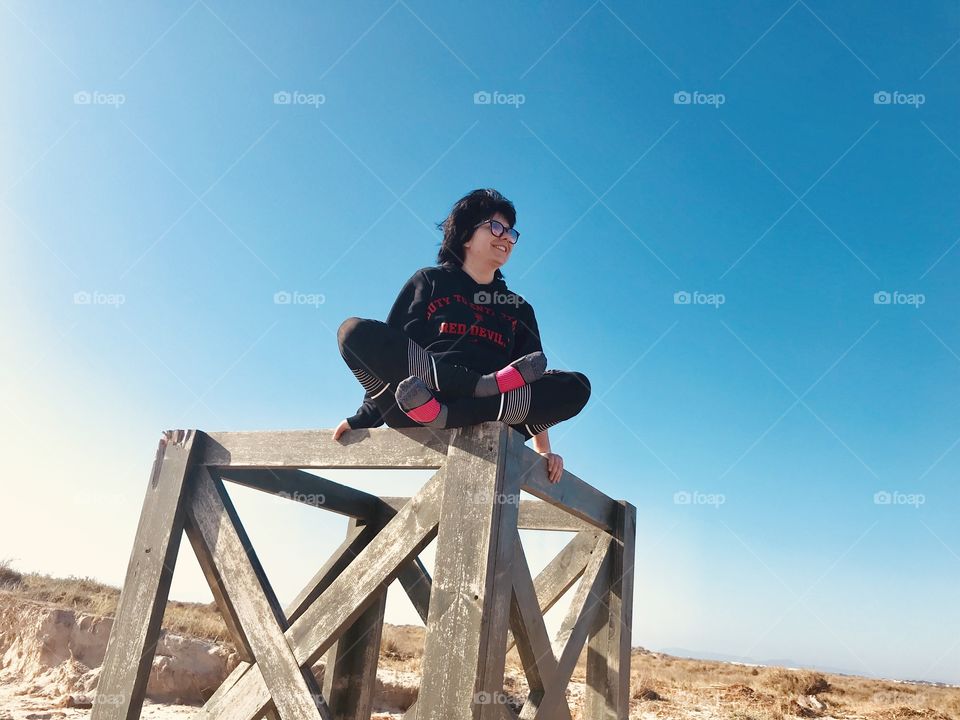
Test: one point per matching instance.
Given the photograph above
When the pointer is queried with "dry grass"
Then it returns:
(661, 685)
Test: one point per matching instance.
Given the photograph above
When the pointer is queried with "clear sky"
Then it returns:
(740, 220)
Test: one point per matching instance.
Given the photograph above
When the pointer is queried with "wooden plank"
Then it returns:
(533, 642)
(417, 583)
(344, 600)
(350, 678)
(563, 571)
(358, 537)
(136, 627)
(308, 489)
(228, 554)
(534, 515)
(467, 623)
(386, 448)
(571, 493)
(607, 695)
(576, 625)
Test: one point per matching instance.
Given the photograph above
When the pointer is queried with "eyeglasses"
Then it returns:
(498, 229)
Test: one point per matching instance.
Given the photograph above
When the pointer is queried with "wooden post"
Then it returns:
(466, 635)
(350, 678)
(136, 627)
(608, 650)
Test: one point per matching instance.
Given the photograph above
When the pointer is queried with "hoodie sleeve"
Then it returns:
(409, 311)
(367, 415)
(527, 337)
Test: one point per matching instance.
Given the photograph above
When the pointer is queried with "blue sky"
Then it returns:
(776, 165)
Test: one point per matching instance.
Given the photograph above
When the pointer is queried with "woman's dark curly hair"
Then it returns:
(470, 210)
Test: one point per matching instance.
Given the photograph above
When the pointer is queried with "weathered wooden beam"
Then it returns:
(358, 537)
(309, 489)
(577, 624)
(563, 571)
(344, 600)
(384, 448)
(417, 583)
(534, 515)
(466, 633)
(530, 632)
(232, 565)
(571, 493)
(607, 694)
(136, 627)
(350, 678)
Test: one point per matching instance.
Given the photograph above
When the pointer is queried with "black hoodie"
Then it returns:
(480, 326)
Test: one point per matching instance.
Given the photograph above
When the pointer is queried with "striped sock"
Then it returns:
(514, 405)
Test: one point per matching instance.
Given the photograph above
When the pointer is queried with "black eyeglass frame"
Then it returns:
(513, 235)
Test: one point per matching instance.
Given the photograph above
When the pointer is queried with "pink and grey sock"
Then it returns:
(418, 402)
(521, 372)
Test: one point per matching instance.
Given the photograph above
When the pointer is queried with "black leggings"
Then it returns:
(380, 356)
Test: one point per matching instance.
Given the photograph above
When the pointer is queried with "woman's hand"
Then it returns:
(341, 429)
(554, 466)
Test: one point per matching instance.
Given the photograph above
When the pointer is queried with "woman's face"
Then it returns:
(485, 247)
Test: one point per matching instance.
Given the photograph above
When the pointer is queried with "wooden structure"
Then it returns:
(481, 600)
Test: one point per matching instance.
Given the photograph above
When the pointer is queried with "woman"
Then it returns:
(458, 347)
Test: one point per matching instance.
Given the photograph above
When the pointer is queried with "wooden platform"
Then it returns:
(480, 602)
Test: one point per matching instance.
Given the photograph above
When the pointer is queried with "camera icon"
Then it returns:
(82, 98)
(681, 497)
(482, 97)
(882, 98)
(281, 297)
(681, 98)
(881, 298)
(282, 98)
(681, 297)
(482, 297)
(81, 297)
(882, 498)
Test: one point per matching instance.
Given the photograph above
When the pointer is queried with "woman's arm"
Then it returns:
(541, 443)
